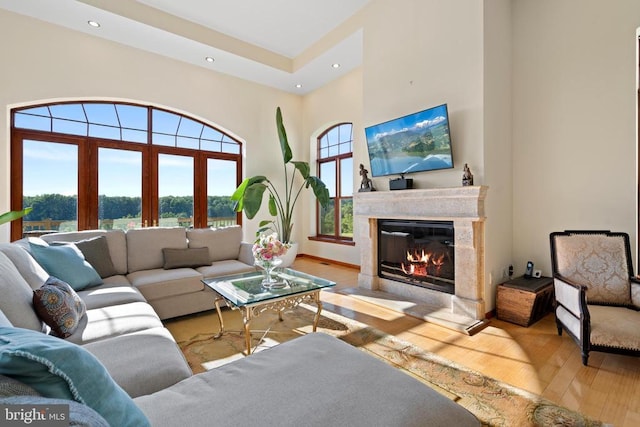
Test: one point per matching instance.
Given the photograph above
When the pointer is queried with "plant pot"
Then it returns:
(290, 256)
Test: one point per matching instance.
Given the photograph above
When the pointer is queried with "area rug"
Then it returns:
(493, 402)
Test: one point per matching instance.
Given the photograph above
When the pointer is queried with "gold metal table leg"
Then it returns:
(221, 331)
(246, 320)
(316, 318)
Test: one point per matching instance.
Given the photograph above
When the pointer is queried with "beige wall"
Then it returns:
(340, 101)
(44, 62)
(574, 120)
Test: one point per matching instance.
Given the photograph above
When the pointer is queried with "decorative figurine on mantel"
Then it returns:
(467, 176)
(366, 184)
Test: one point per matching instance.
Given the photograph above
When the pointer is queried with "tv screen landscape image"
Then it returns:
(417, 142)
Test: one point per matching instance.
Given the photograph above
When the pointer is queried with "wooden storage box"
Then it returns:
(524, 301)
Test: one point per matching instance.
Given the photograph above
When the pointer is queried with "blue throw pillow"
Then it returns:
(62, 370)
(67, 264)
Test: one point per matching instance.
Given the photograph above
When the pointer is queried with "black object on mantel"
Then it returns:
(401, 183)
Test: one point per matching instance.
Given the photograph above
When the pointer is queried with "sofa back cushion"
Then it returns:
(116, 241)
(26, 264)
(144, 246)
(16, 297)
(223, 243)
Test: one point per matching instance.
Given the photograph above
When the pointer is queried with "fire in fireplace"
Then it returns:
(419, 253)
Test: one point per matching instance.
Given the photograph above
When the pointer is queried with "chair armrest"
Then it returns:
(635, 292)
(246, 253)
(571, 296)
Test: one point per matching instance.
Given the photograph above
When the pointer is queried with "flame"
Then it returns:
(418, 263)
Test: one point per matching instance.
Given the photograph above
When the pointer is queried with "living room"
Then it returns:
(521, 78)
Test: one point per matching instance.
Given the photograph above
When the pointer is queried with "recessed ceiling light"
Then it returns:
(335, 65)
(94, 24)
(209, 59)
(298, 85)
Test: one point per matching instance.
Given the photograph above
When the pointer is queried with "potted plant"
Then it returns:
(249, 194)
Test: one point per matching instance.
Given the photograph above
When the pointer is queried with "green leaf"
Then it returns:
(319, 189)
(303, 168)
(13, 215)
(273, 209)
(252, 199)
(282, 135)
(239, 195)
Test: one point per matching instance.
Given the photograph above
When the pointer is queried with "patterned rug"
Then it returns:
(493, 402)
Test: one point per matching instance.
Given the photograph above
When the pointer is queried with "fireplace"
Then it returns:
(460, 207)
(417, 252)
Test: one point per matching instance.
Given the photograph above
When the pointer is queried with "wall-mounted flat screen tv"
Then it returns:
(417, 142)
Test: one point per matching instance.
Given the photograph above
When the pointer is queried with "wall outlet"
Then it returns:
(505, 273)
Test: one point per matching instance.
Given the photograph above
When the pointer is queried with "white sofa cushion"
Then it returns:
(28, 267)
(224, 268)
(144, 246)
(160, 283)
(223, 243)
(121, 356)
(105, 322)
(16, 297)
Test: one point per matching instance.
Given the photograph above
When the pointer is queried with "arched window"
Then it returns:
(335, 169)
(87, 165)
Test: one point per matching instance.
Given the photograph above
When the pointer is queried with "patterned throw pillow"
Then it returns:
(58, 305)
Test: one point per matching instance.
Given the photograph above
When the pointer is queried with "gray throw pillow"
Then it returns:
(187, 257)
(96, 253)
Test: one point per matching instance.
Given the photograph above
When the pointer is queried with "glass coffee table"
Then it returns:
(245, 292)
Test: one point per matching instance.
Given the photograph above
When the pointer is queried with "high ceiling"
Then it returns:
(279, 43)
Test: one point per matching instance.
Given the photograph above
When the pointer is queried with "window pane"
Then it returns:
(70, 127)
(346, 218)
(132, 117)
(190, 128)
(333, 136)
(324, 141)
(327, 219)
(230, 148)
(50, 186)
(129, 135)
(346, 177)
(185, 142)
(100, 131)
(166, 140)
(328, 176)
(345, 132)
(27, 121)
(164, 122)
(221, 183)
(212, 134)
(102, 114)
(175, 189)
(119, 189)
(69, 112)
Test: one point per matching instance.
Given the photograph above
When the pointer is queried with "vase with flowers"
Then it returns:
(267, 250)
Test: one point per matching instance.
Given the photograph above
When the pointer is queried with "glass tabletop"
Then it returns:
(246, 288)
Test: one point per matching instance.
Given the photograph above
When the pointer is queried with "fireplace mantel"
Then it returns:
(462, 205)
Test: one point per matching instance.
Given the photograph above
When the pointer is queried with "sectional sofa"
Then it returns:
(101, 349)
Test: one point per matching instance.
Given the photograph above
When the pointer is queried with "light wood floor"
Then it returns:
(534, 358)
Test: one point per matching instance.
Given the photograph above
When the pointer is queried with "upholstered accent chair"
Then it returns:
(597, 295)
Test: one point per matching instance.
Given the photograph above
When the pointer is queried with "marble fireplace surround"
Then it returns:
(462, 205)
